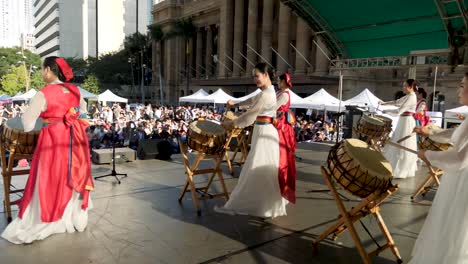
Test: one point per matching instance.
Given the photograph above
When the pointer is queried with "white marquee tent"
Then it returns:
(109, 96)
(219, 97)
(321, 100)
(26, 96)
(250, 95)
(87, 95)
(197, 97)
(367, 99)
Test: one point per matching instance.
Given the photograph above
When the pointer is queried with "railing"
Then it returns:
(389, 62)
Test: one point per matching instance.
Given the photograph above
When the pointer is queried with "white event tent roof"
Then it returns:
(197, 97)
(321, 100)
(109, 96)
(26, 96)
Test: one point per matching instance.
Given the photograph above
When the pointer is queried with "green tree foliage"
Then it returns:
(14, 57)
(36, 80)
(92, 84)
(14, 81)
(112, 68)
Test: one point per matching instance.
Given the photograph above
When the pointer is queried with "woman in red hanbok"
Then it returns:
(287, 140)
(422, 119)
(56, 196)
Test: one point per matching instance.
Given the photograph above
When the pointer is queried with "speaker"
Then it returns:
(154, 149)
(147, 149)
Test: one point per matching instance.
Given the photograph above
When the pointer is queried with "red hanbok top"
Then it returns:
(61, 162)
(287, 141)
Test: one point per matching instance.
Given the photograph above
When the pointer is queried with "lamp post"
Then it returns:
(26, 75)
(131, 61)
(142, 78)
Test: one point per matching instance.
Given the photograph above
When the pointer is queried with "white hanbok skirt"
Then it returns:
(404, 163)
(257, 193)
(444, 235)
(31, 228)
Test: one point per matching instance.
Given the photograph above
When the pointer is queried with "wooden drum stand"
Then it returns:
(191, 170)
(368, 206)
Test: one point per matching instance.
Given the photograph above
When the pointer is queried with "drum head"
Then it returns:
(17, 124)
(369, 158)
(207, 127)
(372, 120)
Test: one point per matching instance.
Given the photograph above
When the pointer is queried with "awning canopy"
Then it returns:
(87, 95)
(219, 97)
(322, 100)
(26, 96)
(197, 97)
(109, 96)
(250, 95)
(367, 99)
(369, 28)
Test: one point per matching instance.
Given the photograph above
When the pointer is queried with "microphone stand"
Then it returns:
(113, 173)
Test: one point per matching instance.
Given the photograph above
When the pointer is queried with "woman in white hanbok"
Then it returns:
(258, 193)
(404, 163)
(444, 236)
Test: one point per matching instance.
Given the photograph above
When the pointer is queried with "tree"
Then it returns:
(15, 56)
(185, 27)
(136, 46)
(14, 81)
(36, 80)
(158, 36)
(92, 84)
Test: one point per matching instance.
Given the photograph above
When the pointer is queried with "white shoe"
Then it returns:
(223, 210)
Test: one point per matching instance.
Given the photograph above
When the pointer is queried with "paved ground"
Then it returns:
(140, 221)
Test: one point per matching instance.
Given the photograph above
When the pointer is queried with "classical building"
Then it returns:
(233, 35)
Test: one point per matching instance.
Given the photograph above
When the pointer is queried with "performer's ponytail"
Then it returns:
(413, 84)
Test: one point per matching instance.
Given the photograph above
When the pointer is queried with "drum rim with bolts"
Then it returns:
(374, 181)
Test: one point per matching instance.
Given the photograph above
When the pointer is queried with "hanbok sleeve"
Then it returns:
(281, 100)
(421, 108)
(441, 135)
(248, 118)
(455, 157)
(247, 103)
(37, 105)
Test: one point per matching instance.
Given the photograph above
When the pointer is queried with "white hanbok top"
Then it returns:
(444, 236)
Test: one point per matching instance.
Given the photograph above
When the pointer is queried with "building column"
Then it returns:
(199, 53)
(321, 61)
(267, 28)
(209, 52)
(225, 38)
(192, 55)
(283, 36)
(238, 35)
(302, 45)
(252, 34)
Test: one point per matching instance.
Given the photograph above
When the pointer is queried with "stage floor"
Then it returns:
(141, 221)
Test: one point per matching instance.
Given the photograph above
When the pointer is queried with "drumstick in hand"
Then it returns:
(406, 137)
(409, 150)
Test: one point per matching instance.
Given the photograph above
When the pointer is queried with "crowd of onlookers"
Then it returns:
(130, 123)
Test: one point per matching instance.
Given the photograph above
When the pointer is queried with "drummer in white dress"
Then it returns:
(257, 193)
(404, 164)
(444, 236)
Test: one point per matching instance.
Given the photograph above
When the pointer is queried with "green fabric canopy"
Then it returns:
(377, 28)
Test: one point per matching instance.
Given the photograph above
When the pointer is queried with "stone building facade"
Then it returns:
(233, 35)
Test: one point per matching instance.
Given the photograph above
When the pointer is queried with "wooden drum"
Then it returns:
(371, 127)
(359, 169)
(428, 143)
(13, 137)
(206, 137)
